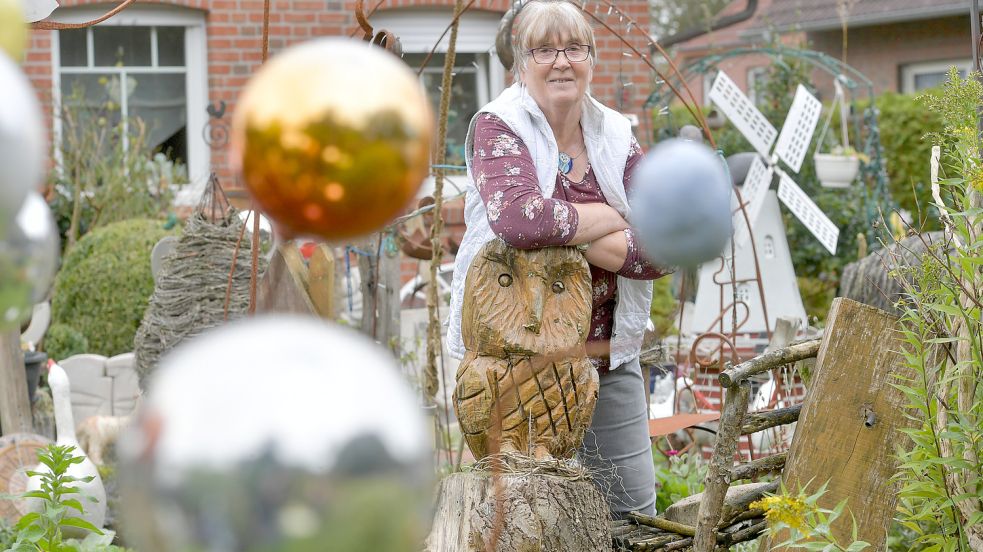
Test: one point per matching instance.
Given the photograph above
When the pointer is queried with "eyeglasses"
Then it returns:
(575, 53)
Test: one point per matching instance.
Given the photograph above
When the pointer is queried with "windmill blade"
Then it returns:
(808, 212)
(799, 126)
(742, 112)
(753, 193)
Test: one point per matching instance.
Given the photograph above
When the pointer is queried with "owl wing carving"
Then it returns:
(525, 384)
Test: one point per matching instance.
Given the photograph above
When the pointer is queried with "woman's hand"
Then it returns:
(595, 221)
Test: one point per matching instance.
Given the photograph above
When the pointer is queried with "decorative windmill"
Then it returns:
(773, 262)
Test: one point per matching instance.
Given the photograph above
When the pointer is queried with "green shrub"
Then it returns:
(62, 341)
(663, 310)
(105, 284)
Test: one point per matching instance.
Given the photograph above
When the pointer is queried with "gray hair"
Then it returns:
(544, 20)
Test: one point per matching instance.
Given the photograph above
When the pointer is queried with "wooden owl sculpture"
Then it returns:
(525, 384)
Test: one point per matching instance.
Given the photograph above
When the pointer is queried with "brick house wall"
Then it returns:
(233, 52)
(881, 52)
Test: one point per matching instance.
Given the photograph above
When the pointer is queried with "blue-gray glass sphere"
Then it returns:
(29, 252)
(681, 204)
(277, 433)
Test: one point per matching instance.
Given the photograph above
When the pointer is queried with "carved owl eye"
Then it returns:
(505, 280)
(558, 287)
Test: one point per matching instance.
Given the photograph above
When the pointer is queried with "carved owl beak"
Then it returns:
(536, 310)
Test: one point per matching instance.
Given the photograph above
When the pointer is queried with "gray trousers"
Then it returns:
(617, 448)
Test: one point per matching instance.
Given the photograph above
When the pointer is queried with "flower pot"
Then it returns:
(33, 361)
(836, 171)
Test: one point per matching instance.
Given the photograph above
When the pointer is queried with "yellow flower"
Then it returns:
(789, 510)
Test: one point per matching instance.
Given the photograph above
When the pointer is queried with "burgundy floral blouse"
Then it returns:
(505, 176)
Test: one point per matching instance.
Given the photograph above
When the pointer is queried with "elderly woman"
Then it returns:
(551, 166)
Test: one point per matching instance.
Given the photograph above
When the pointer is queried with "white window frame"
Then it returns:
(195, 69)
(911, 70)
(707, 83)
(417, 29)
(755, 75)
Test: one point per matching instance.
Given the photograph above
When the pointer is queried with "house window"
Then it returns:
(708, 79)
(469, 92)
(919, 76)
(149, 65)
(478, 74)
(756, 78)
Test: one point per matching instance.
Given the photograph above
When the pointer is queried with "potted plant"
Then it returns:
(839, 167)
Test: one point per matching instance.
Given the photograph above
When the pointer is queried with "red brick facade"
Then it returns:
(234, 30)
(234, 52)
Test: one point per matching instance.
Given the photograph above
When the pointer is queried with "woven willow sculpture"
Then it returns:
(525, 384)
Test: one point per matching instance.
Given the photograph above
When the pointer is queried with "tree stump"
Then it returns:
(522, 512)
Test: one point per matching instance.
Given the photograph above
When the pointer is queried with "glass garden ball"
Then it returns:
(277, 433)
(332, 138)
(681, 203)
(28, 260)
(13, 29)
(22, 144)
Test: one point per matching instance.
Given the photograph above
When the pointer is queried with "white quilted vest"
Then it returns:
(607, 135)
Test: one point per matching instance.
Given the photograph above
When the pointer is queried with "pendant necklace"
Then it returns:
(566, 162)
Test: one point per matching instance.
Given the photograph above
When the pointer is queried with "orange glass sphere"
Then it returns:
(332, 138)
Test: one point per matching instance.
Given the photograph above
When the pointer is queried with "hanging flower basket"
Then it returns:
(836, 171)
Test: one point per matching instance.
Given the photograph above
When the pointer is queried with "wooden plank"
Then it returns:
(387, 326)
(851, 421)
(321, 281)
(665, 426)
(15, 408)
(284, 285)
(367, 265)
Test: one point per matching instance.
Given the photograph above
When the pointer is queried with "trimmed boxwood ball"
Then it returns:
(105, 283)
(62, 341)
(681, 203)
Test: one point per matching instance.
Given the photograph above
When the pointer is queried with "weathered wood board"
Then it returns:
(15, 408)
(291, 285)
(851, 421)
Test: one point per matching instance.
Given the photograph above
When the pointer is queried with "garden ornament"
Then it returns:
(92, 494)
(526, 385)
(332, 138)
(28, 260)
(23, 151)
(681, 203)
(277, 433)
(13, 29)
(36, 10)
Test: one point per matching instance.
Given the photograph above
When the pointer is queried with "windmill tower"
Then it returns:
(714, 305)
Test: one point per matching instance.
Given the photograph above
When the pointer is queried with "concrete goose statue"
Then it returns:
(95, 512)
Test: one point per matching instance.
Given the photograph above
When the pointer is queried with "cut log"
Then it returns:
(851, 421)
(537, 513)
(872, 280)
(736, 501)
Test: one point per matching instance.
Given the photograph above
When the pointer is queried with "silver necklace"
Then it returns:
(565, 162)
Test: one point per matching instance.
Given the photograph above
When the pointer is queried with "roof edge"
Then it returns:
(869, 20)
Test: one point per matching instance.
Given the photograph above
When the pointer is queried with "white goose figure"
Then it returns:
(95, 512)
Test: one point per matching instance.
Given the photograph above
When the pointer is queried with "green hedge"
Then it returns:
(105, 283)
(62, 341)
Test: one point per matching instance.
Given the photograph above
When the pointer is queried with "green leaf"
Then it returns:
(73, 503)
(26, 520)
(81, 524)
(32, 533)
(857, 546)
